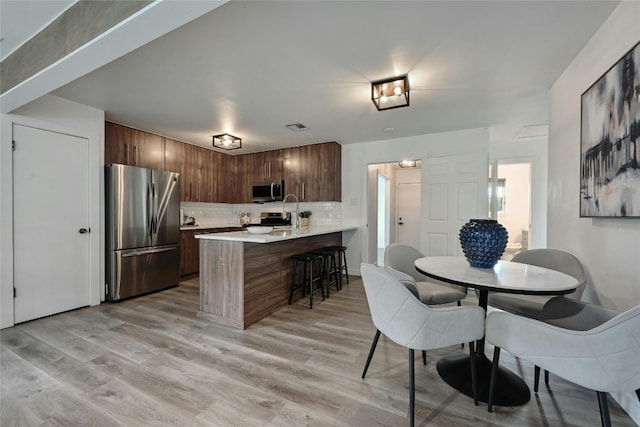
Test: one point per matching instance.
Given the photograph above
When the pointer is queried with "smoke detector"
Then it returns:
(296, 127)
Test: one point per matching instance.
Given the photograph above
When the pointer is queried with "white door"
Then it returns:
(456, 191)
(408, 215)
(51, 222)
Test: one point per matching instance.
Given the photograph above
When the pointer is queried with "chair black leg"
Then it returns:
(536, 378)
(346, 269)
(311, 285)
(424, 358)
(604, 409)
(494, 377)
(546, 378)
(371, 350)
(412, 389)
(474, 372)
(321, 285)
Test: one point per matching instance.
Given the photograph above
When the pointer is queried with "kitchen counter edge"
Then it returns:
(276, 235)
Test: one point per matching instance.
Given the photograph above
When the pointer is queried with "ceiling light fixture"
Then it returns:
(407, 163)
(296, 127)
(390, 93)
(227, 142)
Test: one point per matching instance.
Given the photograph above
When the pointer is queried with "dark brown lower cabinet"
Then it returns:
(190, 249)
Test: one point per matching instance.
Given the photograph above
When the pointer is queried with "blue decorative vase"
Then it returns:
(483, 241)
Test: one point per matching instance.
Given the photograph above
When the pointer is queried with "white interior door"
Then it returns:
(51, 209)
(456, 191)
(408, 215)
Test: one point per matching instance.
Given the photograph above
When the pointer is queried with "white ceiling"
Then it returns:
(250, 68)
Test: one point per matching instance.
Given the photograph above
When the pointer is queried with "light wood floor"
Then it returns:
(150, 361)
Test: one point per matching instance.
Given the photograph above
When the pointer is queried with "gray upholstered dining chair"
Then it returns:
(405, 320)
(399, 258)
(582, 343)
(531, 305)
(402, 257)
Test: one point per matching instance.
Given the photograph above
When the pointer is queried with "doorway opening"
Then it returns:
(394, 207)
(510, 193)
(383, 216)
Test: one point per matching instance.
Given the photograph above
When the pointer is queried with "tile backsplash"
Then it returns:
(224, 214)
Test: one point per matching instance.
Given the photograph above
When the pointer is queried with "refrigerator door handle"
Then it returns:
(154, 213)
(149, 213)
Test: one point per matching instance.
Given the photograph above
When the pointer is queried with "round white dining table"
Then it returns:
(505, 276)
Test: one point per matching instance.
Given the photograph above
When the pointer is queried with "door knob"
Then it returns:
(84, 230)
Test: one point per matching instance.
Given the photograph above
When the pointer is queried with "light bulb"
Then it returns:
(383, 99)
(397, 90)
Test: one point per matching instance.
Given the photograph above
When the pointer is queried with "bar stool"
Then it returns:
(342, 262)
(330, 268)
(313, 263)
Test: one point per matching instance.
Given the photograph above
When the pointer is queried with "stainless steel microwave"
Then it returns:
(272, 192)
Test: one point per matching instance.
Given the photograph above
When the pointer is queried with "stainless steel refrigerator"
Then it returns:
(142, 230)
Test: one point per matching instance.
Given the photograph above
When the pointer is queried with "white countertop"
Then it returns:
(277, 235)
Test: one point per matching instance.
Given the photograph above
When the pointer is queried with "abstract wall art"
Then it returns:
(609, 142)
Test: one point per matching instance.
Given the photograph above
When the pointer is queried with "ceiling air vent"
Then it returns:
(296, 127)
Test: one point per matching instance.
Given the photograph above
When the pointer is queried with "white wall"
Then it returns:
(356, 157)
(608, 248)
(58, 115)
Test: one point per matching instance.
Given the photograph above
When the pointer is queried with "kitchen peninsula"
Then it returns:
(245, 277)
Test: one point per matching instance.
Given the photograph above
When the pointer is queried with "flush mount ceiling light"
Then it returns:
(407, 163)
(296, 127)
(227, 142)
(390, 93)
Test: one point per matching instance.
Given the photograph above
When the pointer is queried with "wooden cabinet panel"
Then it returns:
(174, 152)
(256, 168)
(230, 183)
(148, 151)
(328, 158)
(189, 253)
(117, 142)
(195, 174)
(177, 158)
(293, 171)
(242, 283)
(313, 172)
(190, 248)
(133, 147)
(243, 178)
(264, 167)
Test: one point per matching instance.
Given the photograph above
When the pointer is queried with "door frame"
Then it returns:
(383, 224)
(537, 196)
(96, 208)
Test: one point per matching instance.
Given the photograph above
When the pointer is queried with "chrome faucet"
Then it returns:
(297, 209)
